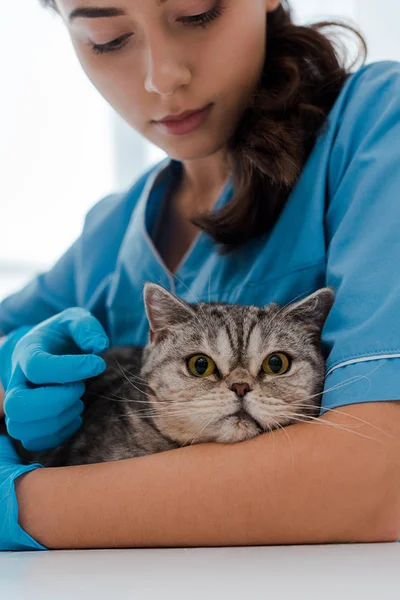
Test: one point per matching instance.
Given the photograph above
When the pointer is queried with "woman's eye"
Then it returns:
(201, 365)
(112, 46)
(277, 363)
(202, 20)
(205, 18)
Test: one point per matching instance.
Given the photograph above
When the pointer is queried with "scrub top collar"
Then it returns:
(138, 248)
(151, 202)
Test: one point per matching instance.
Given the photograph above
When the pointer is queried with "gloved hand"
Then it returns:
(12, 536)
(6, 350)
(43, 416)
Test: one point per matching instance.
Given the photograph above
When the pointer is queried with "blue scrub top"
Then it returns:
(340, 227)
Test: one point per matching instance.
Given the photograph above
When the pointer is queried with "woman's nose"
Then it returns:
(166, 71)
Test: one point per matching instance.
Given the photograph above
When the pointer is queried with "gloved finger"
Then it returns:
(86, 331)
(40, 367)
(6, 349)
(45, 427)
(25, 405)
(52, 441)
(17, 377)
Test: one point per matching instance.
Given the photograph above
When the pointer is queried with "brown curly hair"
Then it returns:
(302, 77)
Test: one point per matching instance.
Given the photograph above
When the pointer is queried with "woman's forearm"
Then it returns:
(115, 504)
(307, 483)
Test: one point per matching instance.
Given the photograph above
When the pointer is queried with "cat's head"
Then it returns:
(228, 372)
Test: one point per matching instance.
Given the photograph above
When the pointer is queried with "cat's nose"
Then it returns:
(240, 389)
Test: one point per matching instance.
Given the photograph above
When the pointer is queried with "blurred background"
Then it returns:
(62, 148)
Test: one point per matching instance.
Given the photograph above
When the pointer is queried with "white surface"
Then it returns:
(320, 572)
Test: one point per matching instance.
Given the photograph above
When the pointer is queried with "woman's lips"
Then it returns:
(183, 115)
(186, 125)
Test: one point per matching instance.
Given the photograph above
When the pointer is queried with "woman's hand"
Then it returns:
(41, 415)
(7, 345)
(12, 536)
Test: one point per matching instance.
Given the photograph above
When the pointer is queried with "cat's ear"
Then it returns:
(314, 309)
(163, 309)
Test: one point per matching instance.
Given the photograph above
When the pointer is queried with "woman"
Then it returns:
(291, 172)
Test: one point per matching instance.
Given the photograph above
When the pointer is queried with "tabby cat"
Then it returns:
(210, 372)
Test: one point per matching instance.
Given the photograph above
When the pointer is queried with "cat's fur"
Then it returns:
(147, 400)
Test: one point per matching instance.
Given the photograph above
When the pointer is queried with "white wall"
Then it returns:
(62, 147)
(378, 20)
(57, 143)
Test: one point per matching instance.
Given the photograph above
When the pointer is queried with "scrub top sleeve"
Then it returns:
(362, 224)
(44, 296)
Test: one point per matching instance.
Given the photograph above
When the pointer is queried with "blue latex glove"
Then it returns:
(6, 350)
(44, 416)
(12, 536)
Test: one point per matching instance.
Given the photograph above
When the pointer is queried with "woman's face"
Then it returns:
(161, 63)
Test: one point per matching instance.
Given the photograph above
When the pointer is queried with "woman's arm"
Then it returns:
(325, 482)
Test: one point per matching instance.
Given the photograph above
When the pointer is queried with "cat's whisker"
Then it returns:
(133, 385)
(199, 430)
(194, 404)
(178, 412)
(299, 404)
(287, 434)
(362, 421)
(318, 420)
(111, 398)
(349, 379)
(122, 371)
(174, 413)
(139, 381)
(114, 398)
(150, 396)
(170, 408)
(135, 377)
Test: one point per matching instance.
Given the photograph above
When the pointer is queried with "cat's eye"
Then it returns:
(201, 365)
(276, 363)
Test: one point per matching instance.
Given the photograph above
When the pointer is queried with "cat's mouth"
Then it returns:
(242, 414)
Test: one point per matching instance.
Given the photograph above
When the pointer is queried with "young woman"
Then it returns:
(285, 179)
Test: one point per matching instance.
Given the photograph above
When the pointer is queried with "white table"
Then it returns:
(320, 572)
